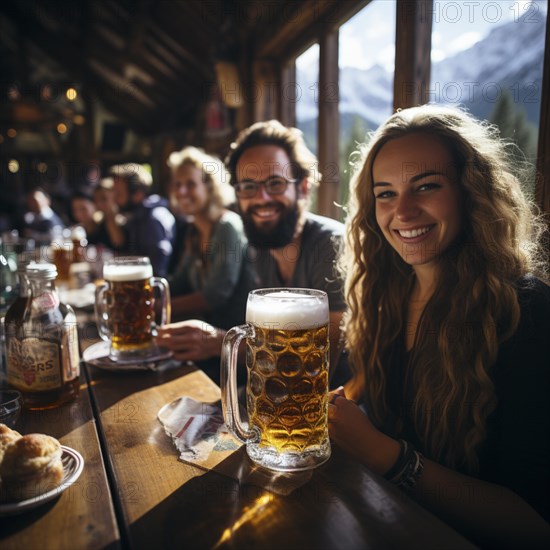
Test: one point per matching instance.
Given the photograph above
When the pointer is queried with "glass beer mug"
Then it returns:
(125, 308)
(287, 355)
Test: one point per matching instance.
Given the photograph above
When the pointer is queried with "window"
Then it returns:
(307, 100)
(366, 63)
(488, 57)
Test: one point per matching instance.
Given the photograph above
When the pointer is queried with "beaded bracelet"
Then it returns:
(408, 468)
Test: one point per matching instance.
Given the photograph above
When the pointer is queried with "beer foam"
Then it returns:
(120, 273)
(287, 310)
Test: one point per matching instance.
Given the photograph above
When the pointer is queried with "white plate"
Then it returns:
(73, 463)
(78, 297)
(98, 356)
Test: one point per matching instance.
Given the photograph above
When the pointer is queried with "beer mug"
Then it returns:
(125, 308)
(287, 355)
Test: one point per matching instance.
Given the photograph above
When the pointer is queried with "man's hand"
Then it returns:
(191, 340)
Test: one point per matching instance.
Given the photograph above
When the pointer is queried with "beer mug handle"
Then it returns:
(228, 380)
(101, 312)
(165, 303)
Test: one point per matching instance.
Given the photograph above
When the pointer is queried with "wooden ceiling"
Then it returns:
(150, 63)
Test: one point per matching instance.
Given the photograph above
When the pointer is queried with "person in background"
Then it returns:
(273, 173)
(40, 221)
(109, 231)
(149, 229)
(83, 210)
(180, 230)
(448, 328)
(213, 276)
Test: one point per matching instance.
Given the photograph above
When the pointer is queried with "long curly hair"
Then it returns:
(474, 307)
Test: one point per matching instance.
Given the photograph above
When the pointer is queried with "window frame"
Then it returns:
(411, 85)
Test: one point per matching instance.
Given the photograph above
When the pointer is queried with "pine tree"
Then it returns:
(357, 135)
(512, 121)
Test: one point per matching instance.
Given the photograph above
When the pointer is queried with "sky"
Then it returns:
(457, 25)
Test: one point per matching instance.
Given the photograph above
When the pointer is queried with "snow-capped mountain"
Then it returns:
(510, 57)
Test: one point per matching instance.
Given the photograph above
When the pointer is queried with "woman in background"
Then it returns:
(213, 277)
(448, 328)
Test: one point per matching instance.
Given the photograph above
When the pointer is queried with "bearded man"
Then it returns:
(273, 174)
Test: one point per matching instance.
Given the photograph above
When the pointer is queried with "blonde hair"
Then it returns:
(474, 307)
(214, 176)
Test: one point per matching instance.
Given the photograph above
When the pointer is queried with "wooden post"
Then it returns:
(542, 189)
(264, 90)
(288, 93)
(413, 44)
(329, 125)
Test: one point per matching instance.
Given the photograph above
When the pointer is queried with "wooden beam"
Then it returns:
(286, 29)
(542, 189)
(288, 94)
(197, 48)
(273, 35)
(263, 92)
(329, 124)
(159, 66)
(116, 98)
(413, 44)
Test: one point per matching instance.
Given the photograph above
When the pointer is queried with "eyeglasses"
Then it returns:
(275, 185)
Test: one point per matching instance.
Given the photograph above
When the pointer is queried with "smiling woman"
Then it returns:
(213, 277)
(417, 197)
(448, 327)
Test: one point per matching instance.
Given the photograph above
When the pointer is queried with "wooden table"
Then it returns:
(135, 493)
(83, 516)
(164, 503)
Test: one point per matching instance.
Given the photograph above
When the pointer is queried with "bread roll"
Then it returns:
(7, 435)
(31, 466)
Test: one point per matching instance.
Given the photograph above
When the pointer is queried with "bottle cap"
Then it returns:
(41, 271)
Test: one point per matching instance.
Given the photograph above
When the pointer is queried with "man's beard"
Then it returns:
(273, 237)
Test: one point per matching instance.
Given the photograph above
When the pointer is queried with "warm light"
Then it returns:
(13, 93)
(46, 92)
(71, 94)
(1, 138)
(42, 167)
(253, 514)
(12, 132)
(62, 128)
(229, 84)
(79, 120)
(13, 166)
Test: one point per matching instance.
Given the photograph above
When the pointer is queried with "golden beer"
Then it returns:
(288, 387)
(130, 307)
(287, 354)
(125, 308)
(62, 258)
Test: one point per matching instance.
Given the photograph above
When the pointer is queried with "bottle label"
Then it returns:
(33, 364)
(45, 302)
(69, 350)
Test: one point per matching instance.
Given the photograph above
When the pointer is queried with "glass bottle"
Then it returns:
(8, 293)
(8, 277)
(42, 342)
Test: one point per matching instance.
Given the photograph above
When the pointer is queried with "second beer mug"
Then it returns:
(287, 351)
(125, 308)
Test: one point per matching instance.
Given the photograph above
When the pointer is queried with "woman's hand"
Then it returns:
(350, 428)
(191, 340)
